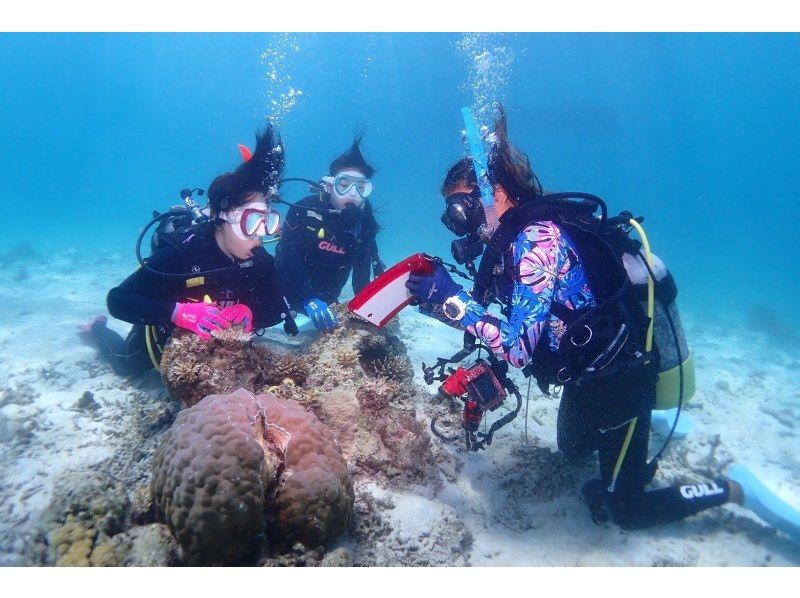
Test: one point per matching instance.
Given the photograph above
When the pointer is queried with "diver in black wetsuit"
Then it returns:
(328, 236)
(230, 278)
(554, 278)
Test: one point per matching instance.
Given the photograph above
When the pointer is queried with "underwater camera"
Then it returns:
(482, 386)
(483, 391)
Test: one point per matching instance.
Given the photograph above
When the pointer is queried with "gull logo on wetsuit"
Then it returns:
(700, 490)
(327, 246)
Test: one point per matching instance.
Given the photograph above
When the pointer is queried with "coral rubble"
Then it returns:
(87, 507)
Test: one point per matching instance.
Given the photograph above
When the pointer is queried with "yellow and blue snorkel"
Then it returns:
(479, 161)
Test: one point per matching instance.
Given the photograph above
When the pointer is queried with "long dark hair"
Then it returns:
(352, 158)
(260, 173)
(508, 166)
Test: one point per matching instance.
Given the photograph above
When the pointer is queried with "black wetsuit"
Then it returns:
(147, 300)
(595, 415)
(318, 251)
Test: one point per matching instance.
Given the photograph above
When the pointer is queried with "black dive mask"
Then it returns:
(463, 214)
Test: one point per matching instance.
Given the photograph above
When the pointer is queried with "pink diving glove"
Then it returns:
(200, 318)
(239, 315)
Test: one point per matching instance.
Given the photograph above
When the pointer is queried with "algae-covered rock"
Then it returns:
(142, 508)
(363, 389)
(152, 546)
(146, 546)
(340, 557)
(93, 498)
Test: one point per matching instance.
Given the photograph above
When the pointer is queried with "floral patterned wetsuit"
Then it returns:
(548, 269)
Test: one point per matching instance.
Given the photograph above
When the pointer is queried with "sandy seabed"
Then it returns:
(516, 503)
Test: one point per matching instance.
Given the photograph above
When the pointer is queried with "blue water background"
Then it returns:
(699, 133)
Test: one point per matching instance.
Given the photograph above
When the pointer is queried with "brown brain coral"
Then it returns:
(238, 469)
(314, 496)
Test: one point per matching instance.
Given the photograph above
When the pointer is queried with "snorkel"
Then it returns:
(469, 216)
(480, 163)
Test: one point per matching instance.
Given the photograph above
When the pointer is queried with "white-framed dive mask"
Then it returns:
(348, 187)
(252, 220)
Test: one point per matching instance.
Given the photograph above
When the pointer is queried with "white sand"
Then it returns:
(513, 500)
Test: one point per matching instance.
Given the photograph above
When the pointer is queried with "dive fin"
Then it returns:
(766, 504)
(662, 422)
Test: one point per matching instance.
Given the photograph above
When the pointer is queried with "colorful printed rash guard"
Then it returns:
(548, 269)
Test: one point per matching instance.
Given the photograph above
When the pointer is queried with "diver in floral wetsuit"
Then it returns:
(549, 271)
(537, 271)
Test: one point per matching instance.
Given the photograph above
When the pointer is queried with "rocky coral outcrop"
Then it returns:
(357, 379)
(362, 387)
(237, 472)
(193, 369)
(355, 351)
(223, 470)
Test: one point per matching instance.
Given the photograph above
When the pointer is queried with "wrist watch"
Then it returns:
(454, 308)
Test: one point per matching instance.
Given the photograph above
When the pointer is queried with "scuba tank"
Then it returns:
(177, 224)
(669, 339)
(178, 220)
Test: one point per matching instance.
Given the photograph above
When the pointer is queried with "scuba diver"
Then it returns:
(572, 318)
(327, 236)
(207, 276)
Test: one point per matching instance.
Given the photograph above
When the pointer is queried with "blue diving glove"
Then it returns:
(434, 288)
(319, 313)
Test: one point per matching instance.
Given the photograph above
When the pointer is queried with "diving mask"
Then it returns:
(345, 182)
(464, 214)
(252, 220)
